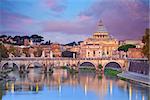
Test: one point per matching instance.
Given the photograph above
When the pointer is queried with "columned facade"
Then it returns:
(100, 45)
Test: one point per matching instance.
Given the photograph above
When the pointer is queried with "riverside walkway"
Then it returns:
(136, 77)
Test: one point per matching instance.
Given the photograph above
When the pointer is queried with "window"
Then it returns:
(107, 52)
(93, 53)
(88, 54)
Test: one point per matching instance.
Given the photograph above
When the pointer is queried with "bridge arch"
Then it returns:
(113, 65)
(34, 65)
(87, 65)
(5, 66)
(14, 66)
(34, 78)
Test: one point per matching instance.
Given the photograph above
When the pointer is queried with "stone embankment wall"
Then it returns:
(141, 67)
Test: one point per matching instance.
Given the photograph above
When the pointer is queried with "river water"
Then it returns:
(63, 86)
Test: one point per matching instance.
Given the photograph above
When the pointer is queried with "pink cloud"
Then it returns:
(81, 25)
(55, 5)
(84, 18)
(123, 18)
(14, 21)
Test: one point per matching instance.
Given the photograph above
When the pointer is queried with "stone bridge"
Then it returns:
(57, 62)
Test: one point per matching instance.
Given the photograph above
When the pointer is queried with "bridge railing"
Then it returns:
(59, 58)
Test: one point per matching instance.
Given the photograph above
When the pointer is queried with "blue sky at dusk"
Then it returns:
(68, 20)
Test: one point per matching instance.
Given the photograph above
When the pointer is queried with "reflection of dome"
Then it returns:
(93, 84)
(59, 75)
(34, 77)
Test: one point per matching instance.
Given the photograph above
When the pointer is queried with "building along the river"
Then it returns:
(100, 45)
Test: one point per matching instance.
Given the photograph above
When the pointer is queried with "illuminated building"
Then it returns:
(100, 45)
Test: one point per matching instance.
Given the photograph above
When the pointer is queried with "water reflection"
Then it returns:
(130, 92)
(64, 86)
(111, 88)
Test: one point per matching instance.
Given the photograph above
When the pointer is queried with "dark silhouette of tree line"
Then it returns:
(19, 40)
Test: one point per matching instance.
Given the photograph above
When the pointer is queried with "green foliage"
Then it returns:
(126, 47)
(124, 79)
(99, 76)
(72, 71)
(64, 67)
(20, 39)
(3, 52)
(100, 66)
(146, 42)
(88, 69)
(111, 72)
(37, 38)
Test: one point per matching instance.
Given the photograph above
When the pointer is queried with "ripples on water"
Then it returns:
(64, 86)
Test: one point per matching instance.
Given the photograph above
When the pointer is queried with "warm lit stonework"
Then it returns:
(135, 53)
(56, 49)
(100, 45)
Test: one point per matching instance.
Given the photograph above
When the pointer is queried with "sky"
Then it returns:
(65, 21)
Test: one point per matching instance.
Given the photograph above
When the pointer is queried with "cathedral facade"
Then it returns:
(100, 45)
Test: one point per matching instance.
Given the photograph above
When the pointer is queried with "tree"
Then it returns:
(146, 42)
(80, 42)
(100, 67)
(126, 47)
(18, 40)
(37, 38)
(47, 43)
(3, 51)
(25, 37)
(3, 36)
(71, 44)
